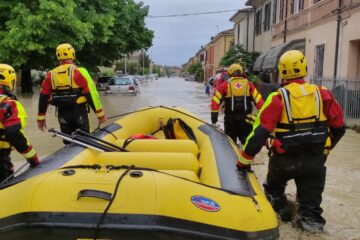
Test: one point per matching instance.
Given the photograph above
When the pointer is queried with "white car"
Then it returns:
(122, 85)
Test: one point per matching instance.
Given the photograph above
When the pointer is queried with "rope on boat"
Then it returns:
(101, 220)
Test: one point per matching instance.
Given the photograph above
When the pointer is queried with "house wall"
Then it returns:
(209, 62)
(317, 24)
(263, 41)
(221, 46)
(244, 31)
(350, 45)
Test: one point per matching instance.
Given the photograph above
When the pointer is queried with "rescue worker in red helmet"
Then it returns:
(71, 90)
(12, 124)
(237, 93)
(305, 122)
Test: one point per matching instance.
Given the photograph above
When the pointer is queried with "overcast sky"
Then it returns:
(179, 38)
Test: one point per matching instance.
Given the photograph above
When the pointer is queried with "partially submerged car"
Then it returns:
(122, 85)
(102, 82)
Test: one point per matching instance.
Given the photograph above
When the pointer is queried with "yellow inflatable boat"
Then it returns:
(154, 189)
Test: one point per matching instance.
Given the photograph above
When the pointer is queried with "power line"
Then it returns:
(192, 14)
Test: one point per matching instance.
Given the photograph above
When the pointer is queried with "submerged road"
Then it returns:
(164, 91)
(341, 196)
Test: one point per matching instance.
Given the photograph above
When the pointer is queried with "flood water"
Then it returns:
(342, 192)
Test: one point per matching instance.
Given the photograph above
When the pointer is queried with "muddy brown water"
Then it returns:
(342, 192)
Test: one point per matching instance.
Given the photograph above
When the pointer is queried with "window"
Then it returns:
(267, 22)
(274, 12)
(319, 61)
(292, 7)
(300, 5)
(258, 22)
(281, 10)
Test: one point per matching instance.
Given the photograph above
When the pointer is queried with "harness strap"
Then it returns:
(71, 74)
(301, 126)
(287, 104)
(317, 98)
(232, 95)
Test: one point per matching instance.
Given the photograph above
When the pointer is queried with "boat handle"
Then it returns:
(94, 194)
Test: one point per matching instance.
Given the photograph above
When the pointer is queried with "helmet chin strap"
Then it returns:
(5, 90)
(66, 61)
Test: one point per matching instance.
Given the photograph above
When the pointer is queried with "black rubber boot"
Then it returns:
(281, 206)
(311, 226)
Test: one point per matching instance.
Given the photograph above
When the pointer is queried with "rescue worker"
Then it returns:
(305, 122)
(12, 124)
(71, 90)
(221, 76)
(237, 93)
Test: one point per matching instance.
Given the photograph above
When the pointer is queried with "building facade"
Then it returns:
(330, 32)
(222, 43)
(243, 21)
(209, 60)
(263, 19)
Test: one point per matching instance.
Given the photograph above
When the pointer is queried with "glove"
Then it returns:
(41, 125)
(244, 162)
(102, 119)
(277, 146)
(250, 118)
(34, 161)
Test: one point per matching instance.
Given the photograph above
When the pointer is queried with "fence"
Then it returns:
(347, 94)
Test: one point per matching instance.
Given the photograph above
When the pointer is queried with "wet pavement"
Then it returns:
(342, 193)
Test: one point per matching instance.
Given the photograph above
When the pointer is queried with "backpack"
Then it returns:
(178, 129)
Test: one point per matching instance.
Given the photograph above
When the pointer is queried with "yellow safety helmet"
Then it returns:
(235, 68)
(292, 64)
(65, 51)
(7, 76)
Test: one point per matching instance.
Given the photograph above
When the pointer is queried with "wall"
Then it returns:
(350, 44)
(221, 46)
(263, 42)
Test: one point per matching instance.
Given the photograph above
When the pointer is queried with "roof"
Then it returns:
(239, 12)
(229, 32)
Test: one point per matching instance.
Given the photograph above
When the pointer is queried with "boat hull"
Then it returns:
(65, 225)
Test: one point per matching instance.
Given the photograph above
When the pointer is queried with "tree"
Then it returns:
(144, 60)
(237, 54)
(197, 70)
(100, 31)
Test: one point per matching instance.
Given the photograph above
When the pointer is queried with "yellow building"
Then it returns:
(222, 43)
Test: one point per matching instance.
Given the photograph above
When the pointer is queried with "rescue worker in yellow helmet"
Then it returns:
(238, 93)
(12, 124)
(305, 123)
(71, 90)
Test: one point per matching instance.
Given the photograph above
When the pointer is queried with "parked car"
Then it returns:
(139, 78)
(123, 85)
(190, 78)
(102, 82)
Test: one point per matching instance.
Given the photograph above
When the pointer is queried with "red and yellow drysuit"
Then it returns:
(70, 88)
(12, 124)
(305, 122)
(237, 94)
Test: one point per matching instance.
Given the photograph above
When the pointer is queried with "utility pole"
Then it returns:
(143, 55)
(125, 64)
(151, 62)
